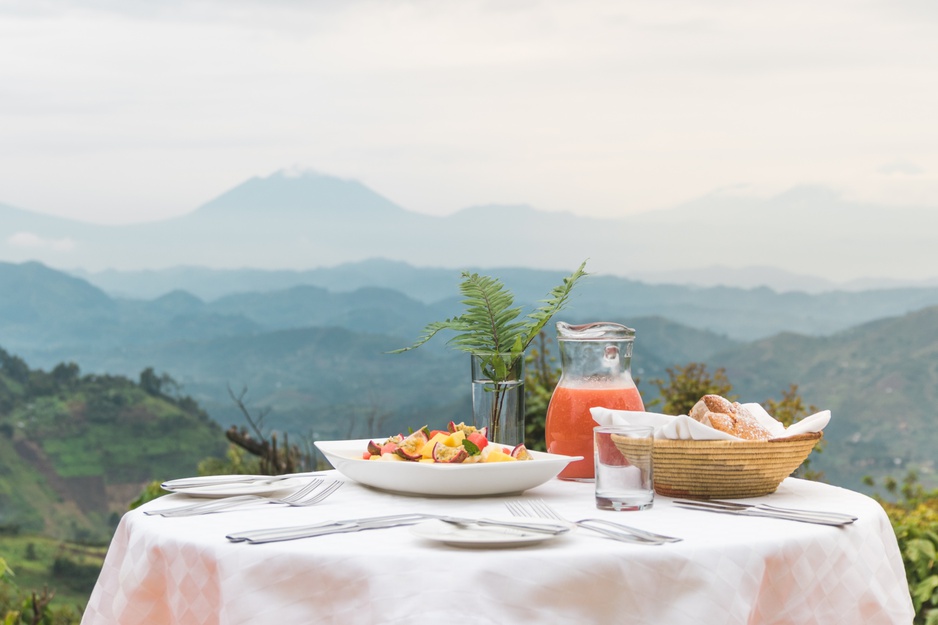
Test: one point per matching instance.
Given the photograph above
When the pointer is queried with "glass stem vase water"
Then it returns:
(498, 396)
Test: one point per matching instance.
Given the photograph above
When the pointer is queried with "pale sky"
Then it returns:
(116, 111)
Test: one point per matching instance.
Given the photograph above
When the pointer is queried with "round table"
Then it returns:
(727, 570)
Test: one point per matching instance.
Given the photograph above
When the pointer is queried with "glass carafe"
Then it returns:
(596, 370)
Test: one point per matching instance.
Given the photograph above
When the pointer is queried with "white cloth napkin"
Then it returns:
(684, 428)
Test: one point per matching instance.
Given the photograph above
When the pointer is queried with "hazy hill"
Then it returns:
(742, 314)
(879, 379)
(304, 221)
(76, 449)
(318, 358)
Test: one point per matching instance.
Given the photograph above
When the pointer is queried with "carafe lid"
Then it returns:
(596, 331)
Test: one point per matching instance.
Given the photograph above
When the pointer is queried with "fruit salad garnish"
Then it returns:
(457, 444)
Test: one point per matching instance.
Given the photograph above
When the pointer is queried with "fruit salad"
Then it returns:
(458, 443)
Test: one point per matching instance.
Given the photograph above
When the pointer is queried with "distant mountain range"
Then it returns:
(807, 239)
(317, 357)
(389, 297)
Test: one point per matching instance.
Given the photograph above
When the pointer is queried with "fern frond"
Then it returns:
(555, 301)
(490, 323)
(431, 330)
(490, 313)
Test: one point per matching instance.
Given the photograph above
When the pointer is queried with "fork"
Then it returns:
(616, 531)
(304, 496)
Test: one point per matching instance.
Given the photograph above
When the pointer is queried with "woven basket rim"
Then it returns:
(725, 468)
(798, 438)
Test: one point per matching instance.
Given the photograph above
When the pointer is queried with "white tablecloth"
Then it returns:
(728, 569)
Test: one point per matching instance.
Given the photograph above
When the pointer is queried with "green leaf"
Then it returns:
(491, 323)
(924, 590)
(471, 447)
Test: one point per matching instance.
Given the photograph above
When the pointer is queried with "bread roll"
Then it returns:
(730, 417)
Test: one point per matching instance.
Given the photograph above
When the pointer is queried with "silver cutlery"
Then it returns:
(275, 534)
(227, 480)
(760, 510)
(770, 507)
(554, 529)
(382, 522)
(616, 531)
(305, 496)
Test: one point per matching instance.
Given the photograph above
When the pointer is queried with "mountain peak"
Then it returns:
(297, 191)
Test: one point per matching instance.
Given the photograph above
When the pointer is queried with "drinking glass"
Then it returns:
(623, 460)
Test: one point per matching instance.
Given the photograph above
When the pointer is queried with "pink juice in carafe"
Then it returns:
(596, 372)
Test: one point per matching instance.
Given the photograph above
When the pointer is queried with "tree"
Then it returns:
(791, 409)
(540, 379)
(150, 382)
(66, 374)
(686, 385)
(14, 367)
(275, 458)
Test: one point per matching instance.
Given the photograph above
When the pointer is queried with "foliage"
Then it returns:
(237, 461)
(540, 379)
(272, 457)
(490, 324)
(686, 385)
(914, 519)
(19, 606)
(492, 329)
(791, 409)
(151, 491)
(66, 437)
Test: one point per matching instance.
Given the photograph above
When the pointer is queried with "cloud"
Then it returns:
(900, 167)
(128, 110)
(28, 240)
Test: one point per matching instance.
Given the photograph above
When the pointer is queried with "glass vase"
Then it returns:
(498, 396)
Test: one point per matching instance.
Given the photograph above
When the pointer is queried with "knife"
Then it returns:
(803, 517)
(357, 525)
(225, 480)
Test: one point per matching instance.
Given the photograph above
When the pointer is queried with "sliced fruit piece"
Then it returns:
(455, 439)
(439, 437)
(410, 447)
(444, 453)
(406, 455)
(497, 455)
(478, 439)
(373, 448)
(520, 452)
(461, 427)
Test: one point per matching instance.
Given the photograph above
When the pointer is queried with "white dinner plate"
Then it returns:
(441, 479)
(251, 486)
(486, 537)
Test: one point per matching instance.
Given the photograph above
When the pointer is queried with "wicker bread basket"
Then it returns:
(713, 469)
